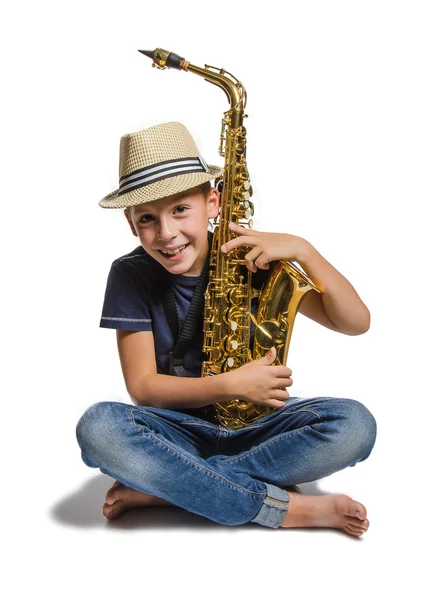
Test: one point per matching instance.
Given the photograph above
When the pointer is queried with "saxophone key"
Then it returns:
(208, 314)
(235, 295)
(231, 363)
(240, 193)
(231, 344)
(233, 317)
(240, 149)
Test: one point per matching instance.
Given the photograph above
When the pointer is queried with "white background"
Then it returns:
(339, 151)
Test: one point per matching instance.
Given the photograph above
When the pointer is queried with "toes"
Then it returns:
(356, 531)
(357, 527)
(114, 493)
(358, 523)
(111, 513)
(356, 510)
(111, 497)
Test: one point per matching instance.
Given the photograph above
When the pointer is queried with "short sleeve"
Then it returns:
(125, 304)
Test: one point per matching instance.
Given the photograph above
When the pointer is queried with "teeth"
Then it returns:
(174, 252)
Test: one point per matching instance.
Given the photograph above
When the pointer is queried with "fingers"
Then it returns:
(239, 228)
(238, 241)
(277, 400)
(250, 260)
(275, 403)
(280, 394)
(281, 371)
(254, 260)
(285, 382)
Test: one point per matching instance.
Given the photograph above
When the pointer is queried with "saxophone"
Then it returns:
(229, 293)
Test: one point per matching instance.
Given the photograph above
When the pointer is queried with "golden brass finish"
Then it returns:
(227, 300)
(159, 58)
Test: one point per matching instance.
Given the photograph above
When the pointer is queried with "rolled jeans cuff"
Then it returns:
(274, 509)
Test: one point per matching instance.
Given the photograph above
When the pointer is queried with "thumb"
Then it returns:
(269, 358)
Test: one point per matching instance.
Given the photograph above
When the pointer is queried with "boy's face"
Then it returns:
(170, 223)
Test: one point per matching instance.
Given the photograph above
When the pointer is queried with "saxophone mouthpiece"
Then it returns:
(163, 58)
(148, 53)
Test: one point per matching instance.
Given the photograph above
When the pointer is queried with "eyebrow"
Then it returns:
(143, 211)
(146, 211)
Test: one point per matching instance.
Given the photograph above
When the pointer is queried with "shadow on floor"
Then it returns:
(84, 509)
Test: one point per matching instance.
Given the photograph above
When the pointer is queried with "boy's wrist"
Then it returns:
(227, 386)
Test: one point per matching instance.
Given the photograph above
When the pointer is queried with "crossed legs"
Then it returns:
(323, 434)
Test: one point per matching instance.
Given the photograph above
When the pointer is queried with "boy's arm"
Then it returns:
(167, 391)
(146, 387)
(339, 307)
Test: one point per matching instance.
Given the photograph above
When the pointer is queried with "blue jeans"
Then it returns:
(231, 477)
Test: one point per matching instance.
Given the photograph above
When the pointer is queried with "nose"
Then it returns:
(167, 229)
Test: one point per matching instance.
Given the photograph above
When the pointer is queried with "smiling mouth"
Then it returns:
(174, 252)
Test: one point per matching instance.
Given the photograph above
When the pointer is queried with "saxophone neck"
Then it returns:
(233, 89)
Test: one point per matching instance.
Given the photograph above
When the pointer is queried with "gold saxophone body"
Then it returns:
(227, 300)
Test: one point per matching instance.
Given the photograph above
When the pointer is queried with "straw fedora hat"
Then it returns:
(156, 163)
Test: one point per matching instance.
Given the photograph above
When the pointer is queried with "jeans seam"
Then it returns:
(219, 426)
(287, 412)
(132, 418)
(218, 439)
(200, 424)
(268, 443)
(247, 427)
(193, 464)
(315, 412)
(142, 409)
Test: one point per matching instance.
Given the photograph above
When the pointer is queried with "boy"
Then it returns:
(164, 448)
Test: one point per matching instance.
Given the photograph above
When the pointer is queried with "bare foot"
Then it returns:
(120, 498)
(335, 510)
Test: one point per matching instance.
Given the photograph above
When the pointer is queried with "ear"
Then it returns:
(129, 220)
(213, 203)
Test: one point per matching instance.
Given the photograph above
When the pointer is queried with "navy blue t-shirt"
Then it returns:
(133, 302)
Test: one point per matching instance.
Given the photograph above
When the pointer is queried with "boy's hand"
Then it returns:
(265, 247)
(261, 383)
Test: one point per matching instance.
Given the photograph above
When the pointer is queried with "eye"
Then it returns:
(144, 217)
(147, 218)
